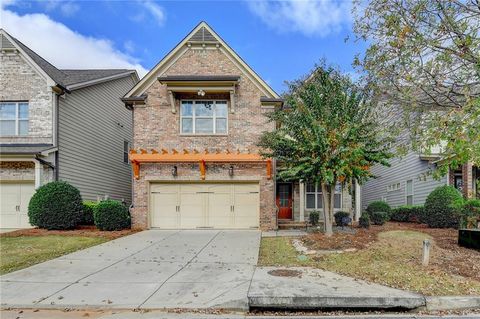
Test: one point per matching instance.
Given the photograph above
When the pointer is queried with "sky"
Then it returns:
(280, 40)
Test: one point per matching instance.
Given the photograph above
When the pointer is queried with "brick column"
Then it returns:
(467, 172)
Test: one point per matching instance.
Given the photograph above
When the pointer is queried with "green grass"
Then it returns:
(24, 251)
(394, 260)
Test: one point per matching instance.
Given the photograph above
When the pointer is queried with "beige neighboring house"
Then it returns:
(60, 125)
(198, 116)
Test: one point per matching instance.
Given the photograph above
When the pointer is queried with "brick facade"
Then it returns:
(467, 172)
(157, 127)
(19, 81)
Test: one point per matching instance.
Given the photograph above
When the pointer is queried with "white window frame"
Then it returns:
(406, 191)
(17, 118)
(394, 187)
(194, 117)
(318, 192)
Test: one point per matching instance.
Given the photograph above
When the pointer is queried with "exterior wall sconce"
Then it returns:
(230, 170)
(201, 92)
(174, 171)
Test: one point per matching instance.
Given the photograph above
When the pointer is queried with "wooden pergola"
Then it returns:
(194, 156)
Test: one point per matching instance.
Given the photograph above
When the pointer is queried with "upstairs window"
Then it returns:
(409, 192)
(13, 118)
(203, 117)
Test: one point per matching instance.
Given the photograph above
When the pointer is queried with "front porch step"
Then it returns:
(291, 224)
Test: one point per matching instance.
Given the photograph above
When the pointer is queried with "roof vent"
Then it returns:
(5, 44)
(203, 35)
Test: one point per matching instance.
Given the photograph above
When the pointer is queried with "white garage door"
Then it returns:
(218, 205)
(14, 199)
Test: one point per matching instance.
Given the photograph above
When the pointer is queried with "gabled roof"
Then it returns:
(64, 78)
(202, 33)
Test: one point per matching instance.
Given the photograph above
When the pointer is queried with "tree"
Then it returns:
(328, 134)
(424, 55)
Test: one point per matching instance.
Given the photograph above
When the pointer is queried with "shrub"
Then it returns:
(88, 208)
(364, 220)
(378, 206)
(56, 205)
(111, 215)
(340, 218)
(469, 213)
(314, 218)
(441, 207)
(407, 214)
(379, 218)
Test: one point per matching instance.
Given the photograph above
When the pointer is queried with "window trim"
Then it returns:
(413, 191)
(126, 152)
(193, 117)
(318, 191)
(17, 118)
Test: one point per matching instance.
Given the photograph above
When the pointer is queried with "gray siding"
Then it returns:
(93, 124)
(401, 170)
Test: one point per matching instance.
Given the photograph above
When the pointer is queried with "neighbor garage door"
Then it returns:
(212, 205)
(14, 199)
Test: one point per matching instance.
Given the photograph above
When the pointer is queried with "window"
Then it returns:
(393, 187)
(409, 192)
(314, 199)
(203, 117)
(13, 118)
(126, 147)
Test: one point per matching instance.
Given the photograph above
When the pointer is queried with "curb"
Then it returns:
(452, 302)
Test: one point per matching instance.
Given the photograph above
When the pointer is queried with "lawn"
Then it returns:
(389, 255)
(24, 251)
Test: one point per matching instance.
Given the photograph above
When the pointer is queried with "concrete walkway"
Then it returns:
(152, 269)
(309, 288)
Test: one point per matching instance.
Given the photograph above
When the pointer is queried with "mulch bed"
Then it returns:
(450, 258)
(86, 231)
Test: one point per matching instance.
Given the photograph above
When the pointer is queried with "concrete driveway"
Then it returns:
(151, 269)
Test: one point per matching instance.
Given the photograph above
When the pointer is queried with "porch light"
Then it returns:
(230, 170)
(174, 171)
(201, 92)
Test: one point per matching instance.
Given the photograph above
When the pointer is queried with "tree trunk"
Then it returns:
(327, 214)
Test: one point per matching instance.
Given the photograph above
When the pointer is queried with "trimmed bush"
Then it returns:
(441, 208)
(364, 221)
(339, 218)
(469, 213)
(88, 208)
(314, 218)
(111, 215)
(56, 205)
(413, 214)
(379, 218)
(378, 206)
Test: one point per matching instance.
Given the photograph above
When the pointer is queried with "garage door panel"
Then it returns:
(192, 210)
(246, 205)
(219, 210)
(164, 202)
(14, 199)
(26, 192)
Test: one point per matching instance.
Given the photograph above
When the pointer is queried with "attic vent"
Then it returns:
(5, 44)
(203, 35)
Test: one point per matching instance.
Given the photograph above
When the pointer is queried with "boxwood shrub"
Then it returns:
(339, 218)
(414, 214)
(88, 207)
(111, 215)
(441, 210)
(378, 206)
(469, 213)
(56, 205)
(379, 218)
(314, 218)
(364, 220)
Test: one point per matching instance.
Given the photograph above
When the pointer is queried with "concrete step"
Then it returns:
(302, 288)
(290, 224)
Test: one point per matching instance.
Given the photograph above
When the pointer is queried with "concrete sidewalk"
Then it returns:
(308, 288)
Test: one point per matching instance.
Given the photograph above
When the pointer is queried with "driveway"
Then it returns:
(152, 269)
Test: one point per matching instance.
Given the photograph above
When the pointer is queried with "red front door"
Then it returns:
(284, 200)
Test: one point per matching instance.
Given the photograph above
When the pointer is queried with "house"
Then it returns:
(409, 179)
(60, 125)
(198, 115)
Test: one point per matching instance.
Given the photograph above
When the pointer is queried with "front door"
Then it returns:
(284, 200)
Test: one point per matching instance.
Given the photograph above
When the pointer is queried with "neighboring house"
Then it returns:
(60, 125)
(198, 116)
(409, 179)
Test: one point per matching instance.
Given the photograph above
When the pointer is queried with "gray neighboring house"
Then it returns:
(409, 180)
(60, 125)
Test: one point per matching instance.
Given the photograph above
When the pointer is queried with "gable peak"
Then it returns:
(202, 33)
